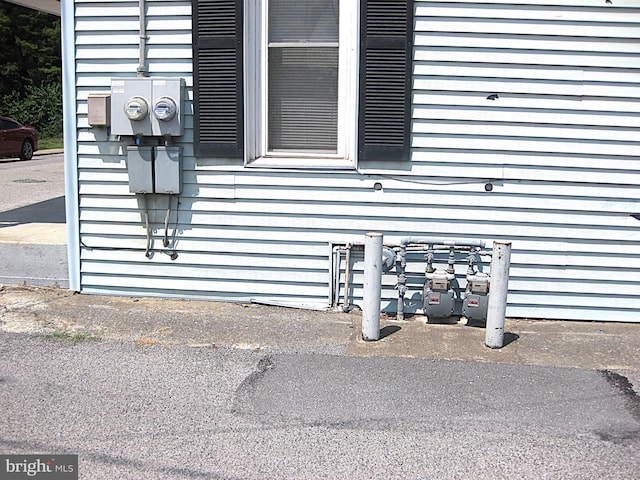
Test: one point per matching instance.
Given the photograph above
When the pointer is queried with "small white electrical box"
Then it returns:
(99, 106)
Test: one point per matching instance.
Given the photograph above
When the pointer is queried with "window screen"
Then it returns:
(303, 75)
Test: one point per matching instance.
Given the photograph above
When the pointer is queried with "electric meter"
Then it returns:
(165, 109)
(136, 108)
(147, 106)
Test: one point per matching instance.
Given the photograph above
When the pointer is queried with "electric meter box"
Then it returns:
(147, 106)
(130, 99)
(166, 106)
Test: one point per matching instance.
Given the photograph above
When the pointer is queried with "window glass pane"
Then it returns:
(303, 99)
(303, 20)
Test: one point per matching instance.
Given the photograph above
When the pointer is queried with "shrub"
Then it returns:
(41, 107)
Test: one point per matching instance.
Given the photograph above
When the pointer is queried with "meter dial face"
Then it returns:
(165, 109)
(136, 108)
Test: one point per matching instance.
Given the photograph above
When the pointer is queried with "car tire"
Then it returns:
(26, 152)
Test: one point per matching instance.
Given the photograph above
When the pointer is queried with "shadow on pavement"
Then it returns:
(48, 211)
(510, 337)
(388, 330)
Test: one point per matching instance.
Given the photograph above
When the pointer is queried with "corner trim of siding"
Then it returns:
(70, 147)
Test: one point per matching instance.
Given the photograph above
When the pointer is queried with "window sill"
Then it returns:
(299, 163)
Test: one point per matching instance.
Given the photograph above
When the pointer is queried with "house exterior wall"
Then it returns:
(557, 147)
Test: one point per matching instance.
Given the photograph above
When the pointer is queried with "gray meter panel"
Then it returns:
(130, 99)
(147, 106)
(167, 115)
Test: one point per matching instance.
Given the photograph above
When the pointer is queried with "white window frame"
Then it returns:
(255, 92)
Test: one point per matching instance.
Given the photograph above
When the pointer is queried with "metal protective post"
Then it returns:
(497, 307)
(372, 286)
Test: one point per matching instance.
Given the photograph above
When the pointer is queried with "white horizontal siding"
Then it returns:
(559, 146)
(547, 3)
(577, 12)
(561, 142)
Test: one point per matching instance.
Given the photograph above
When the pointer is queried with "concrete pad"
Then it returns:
(39, 264)
(34, 233)
(34, 254)
(592, 345)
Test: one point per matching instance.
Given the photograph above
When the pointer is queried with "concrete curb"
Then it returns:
(49, 151)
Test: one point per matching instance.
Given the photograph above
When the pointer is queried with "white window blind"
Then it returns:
(303, 57)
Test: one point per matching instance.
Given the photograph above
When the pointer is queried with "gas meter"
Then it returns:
(439, 296)
(476, 299)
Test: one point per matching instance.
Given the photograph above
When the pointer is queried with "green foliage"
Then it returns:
(41, 107)
(71, 338)
(46, 143)
(31, 68)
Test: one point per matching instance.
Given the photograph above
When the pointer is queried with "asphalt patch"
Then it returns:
(358, 392)
(632, 402)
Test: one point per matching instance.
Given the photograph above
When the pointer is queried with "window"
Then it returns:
(303, 99)
(6, 124)
(302, 82)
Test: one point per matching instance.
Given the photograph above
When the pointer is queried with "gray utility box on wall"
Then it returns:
(147, 106)
(130, 106)
(154, 169)
(168, 174)
(166, 107)
(140, 167)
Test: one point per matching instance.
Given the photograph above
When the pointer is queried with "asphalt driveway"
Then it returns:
(142, 410)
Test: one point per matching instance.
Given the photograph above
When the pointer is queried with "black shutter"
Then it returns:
(217, 59)
(386, 48)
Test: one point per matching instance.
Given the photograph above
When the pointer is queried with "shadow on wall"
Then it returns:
(48, 211)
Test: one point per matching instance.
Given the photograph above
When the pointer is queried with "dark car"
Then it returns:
(17, 140)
